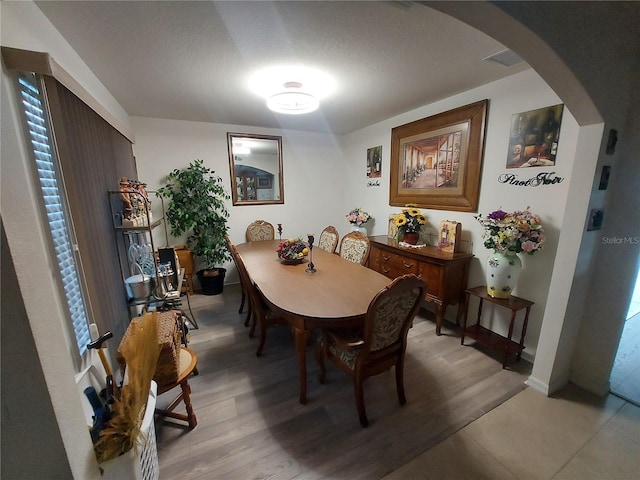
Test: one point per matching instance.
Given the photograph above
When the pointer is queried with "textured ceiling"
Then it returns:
(192, 60)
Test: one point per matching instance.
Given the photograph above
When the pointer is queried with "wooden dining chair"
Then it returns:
(329, 239)
(380, 344)
(262, 316)
(243, 286)
(260, 230)
(355, 247)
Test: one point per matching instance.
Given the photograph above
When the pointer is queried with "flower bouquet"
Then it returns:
(292, 251)
(357, 216)
(409, 220)
(515, 232)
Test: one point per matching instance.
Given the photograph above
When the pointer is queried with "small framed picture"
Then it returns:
(595, 219)
(374, 162)
(604, 177)
(264, 182)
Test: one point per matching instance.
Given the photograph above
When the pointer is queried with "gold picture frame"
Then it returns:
(436, 162)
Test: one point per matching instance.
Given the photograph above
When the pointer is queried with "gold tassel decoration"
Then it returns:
(140, 349)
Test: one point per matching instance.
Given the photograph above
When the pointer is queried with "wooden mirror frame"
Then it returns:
(242, 167)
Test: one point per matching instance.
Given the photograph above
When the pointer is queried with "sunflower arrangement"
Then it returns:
(410, 219)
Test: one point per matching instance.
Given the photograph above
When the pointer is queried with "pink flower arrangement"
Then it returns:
(357, 216)
(515, 232)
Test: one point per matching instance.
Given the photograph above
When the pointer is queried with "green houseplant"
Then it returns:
(197, 207)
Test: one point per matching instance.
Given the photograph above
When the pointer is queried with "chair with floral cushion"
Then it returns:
(355, 247)
(329, 239)
(260, 230)
(381, 342)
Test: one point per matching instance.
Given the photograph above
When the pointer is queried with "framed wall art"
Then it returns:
(436, 162)
(374, 162)
(533, 140)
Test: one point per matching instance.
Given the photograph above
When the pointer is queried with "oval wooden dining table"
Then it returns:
(336, 295)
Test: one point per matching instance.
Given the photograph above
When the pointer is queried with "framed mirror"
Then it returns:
(255, 163)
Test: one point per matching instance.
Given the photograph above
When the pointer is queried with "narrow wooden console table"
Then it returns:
(491, 339)
(446, 274)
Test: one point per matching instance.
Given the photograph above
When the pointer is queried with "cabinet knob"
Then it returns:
(407, 265)
(385, 270)
(386, 258)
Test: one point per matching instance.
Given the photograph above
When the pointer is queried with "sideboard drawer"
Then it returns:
(391, 264)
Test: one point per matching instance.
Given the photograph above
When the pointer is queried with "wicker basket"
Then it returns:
(169, 339)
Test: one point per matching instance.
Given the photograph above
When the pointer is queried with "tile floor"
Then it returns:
(573, 435)
(625, 375)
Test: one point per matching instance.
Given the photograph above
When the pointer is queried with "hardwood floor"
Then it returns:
(250, 424)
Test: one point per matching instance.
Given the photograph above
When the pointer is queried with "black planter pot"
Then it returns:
(212, 281)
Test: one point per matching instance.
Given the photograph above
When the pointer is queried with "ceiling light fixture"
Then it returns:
(293, 100)
(240, 149)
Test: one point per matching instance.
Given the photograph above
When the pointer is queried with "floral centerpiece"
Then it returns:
(515, 232)
(358, 216)
(508, 234)
(409, 220)
(292, 250)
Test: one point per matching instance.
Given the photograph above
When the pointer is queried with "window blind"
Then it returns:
(47, 171)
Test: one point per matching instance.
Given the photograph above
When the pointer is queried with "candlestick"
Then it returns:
(311, 268)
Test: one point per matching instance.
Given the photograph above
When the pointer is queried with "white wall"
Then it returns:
(325, 177)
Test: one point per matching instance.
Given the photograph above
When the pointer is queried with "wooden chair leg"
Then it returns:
(186, 392)
(254, 324)
(263, 337)
(242, 301)
(184, 396)
(400, 381)
(249, 314)
(362, 413)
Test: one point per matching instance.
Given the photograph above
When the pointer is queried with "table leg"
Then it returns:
(508, 343)
(301, 337)
(524, 331)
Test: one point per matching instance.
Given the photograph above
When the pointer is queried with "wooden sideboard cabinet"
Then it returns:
(445, 274)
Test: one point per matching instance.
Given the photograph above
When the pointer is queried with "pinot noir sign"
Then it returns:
(544, 178)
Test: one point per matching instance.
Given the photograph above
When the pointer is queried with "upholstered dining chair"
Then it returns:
(380, 344)
(329, 239)
(355, 247)
(243, 286)
(260, 230)
(261, 314)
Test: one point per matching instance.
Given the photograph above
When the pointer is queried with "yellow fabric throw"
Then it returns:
(140, 349)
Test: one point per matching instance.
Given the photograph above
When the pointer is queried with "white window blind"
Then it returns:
(47, 170)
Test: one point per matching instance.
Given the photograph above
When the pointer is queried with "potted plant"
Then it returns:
(197, 207)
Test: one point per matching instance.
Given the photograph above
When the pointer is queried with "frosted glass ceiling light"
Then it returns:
(292, 100)
(241, 150)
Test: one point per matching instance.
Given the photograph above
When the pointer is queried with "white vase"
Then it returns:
(356, 228)
(502, 273)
